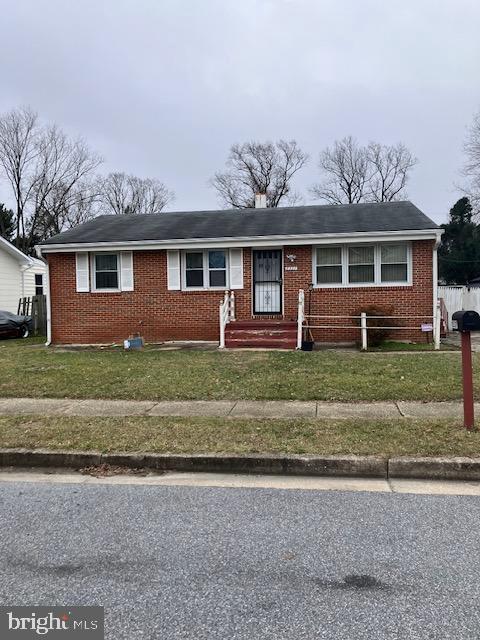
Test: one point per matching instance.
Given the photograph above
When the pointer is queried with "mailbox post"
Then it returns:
(465, 322)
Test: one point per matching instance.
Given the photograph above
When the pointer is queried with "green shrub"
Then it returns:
(375, 319)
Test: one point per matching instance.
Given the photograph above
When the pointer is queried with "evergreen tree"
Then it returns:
(7, 224)
(461, 212)
(459, 253)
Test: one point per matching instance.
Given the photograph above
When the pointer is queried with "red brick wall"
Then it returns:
(159, 314)
(410, 300)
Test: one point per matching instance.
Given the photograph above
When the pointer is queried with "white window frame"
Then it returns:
(93, 272)
(367, 264)
(337, 264)
(206, 270)
(345, 284)
(409, 262)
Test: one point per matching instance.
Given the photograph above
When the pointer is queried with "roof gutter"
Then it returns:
(262, 241)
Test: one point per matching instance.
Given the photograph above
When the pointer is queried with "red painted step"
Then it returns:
(260, 344)
(261, 333)
(273, 334)
(255, 324)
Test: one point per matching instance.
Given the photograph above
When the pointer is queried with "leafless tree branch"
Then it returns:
(64, 178)
(19, 150)
(354, 173)
(345, 167)
(255, 167)
(127, 194)
(471, 169)
(390, 167)
(46, 170)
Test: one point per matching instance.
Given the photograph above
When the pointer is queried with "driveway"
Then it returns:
(454, 338)
(185, 563)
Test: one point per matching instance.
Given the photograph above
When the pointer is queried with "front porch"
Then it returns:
(283, 333)
(261, 333)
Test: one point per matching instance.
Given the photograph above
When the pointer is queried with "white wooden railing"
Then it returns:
(305, 321)
(226, 314)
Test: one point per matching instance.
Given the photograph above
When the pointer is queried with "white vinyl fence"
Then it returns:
(457, 297)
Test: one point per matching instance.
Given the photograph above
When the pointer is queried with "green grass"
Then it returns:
(183, 435)
(390, 345)
(29, 369)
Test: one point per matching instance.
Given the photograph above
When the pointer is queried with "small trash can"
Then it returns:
(307, 345)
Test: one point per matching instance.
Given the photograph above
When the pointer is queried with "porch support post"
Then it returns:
(222, 311)
(300, 317)
(436, 326)
(222, 329)
(232, 305)
(363, 325)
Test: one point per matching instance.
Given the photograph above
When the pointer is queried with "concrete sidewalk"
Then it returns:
(232, 408)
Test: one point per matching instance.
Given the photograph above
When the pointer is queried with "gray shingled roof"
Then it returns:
(239, 223)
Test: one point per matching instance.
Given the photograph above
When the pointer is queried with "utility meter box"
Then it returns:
(465, 321)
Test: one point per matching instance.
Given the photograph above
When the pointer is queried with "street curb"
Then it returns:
(307, 465)
(435, 468)
(294, 465)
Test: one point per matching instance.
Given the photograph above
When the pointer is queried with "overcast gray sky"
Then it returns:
(162, 88)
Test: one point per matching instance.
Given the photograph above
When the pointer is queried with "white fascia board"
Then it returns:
(16, 253)
(257, 241)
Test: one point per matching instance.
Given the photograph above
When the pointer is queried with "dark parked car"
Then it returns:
(13, 326)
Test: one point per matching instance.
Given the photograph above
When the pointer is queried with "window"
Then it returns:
(205, 269)
(39, 284)
(217, 268)
(105, 271)
(361, 264)
(194, 269)
(329, 265)
(394, 263)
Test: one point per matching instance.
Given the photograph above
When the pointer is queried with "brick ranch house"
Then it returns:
(164, 275)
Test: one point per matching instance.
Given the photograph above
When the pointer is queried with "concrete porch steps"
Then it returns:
(274, 334)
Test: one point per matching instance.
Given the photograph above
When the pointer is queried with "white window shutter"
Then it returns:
(236, 268)
(173, 270)
(83, 280)
(126, 270)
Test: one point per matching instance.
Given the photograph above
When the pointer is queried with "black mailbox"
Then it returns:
(466, 321)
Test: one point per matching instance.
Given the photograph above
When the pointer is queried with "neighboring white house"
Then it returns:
(20, 276)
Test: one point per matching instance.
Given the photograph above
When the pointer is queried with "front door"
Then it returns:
(267, 281)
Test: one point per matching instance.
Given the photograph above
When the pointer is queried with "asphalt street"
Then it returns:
(179, 562)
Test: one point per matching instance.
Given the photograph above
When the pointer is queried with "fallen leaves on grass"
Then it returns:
(107, 470)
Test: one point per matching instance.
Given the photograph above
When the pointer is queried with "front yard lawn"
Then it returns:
(27, 369)
(206, 435)
(391, 345)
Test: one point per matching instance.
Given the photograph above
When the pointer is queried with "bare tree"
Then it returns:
(149, 195)
(389, 171)
(19, 151)
(66, 206)
(63, 179)
(354, 173)
(46, 170)
(127, 194)
(255, 167)
(115, 193)
(345, 167)
(472, 165)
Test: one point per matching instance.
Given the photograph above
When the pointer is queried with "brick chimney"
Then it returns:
(260, 200)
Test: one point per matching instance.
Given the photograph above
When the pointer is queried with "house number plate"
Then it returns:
(294, 268)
